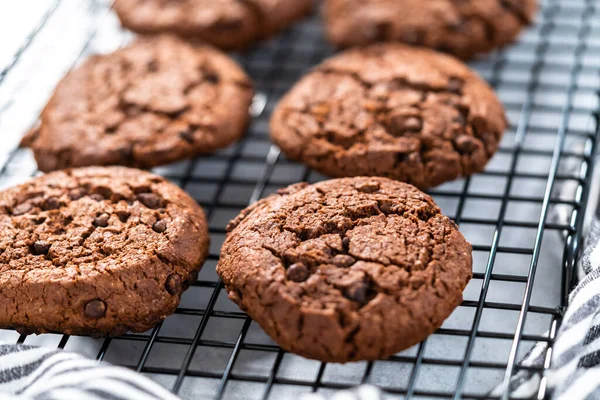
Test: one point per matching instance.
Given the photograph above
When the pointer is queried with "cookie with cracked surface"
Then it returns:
(228, 24)
(96, 251)
(153, 102)
(347, 269)
(391, 110)
(464, 28)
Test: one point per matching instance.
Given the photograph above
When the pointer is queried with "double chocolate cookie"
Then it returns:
(347, 269)
(96, 251)
(391, 110)
(155, 101)
(228, 24)
(461, 27)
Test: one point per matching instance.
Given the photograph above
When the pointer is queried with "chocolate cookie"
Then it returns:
(96, 251)
(391, 110)
(347, 269)
(156, 101)
(463, 28)
(228, 24)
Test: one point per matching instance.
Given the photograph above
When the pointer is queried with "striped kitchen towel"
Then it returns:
(36, 373)
(574, 371)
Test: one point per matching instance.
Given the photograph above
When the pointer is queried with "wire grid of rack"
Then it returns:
(524, 254)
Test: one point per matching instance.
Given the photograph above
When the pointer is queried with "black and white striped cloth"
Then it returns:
(38, 373)
(574, 371)
(32, 373)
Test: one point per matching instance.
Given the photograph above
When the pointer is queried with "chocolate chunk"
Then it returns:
(455, 85)
(174, 284)
(95, 309)
(41, 247)
(297, 272)
(412, 36)
(152, 66)
(346, 242)
(343, 261)
(23, 330)
(22, 208)
(97, 197)
(101, 220)
(466, 144)
(187, 136)
(357, 292)
(103, 191)
(212, 77)
(150, 200)
(403, 123)
(76, 193)
(159, 226)
(368, 187)
(51, 203)
(123, 215)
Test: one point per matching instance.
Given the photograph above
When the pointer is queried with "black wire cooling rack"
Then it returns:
(524, 214)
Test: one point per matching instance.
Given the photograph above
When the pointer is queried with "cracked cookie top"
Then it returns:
(228, 24)
(155, 101)
(391, 110)
(346, 269)
(96, 250)
(464, 28)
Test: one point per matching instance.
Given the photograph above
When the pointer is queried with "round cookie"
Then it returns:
(463, 28)
(228, 24)
(391, 110)
(155, 101)
(96, 251)
(347, 269)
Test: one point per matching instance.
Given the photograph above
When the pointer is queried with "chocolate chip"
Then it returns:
(51, 203)
(212, 77)
(458, 25)
(22, 208)
(23, 330)
(385, 206)
(231, 25)
(103, 191)
(152, 66)
(412, 37)
(187, 136)
(459, 119)
(346, 242)
(455, 85)
(357, 292)
(368, 187)
(118, 330)
(76, 194)
(194, 276)
(297, 272)
(403, 123)
(466, 144)
(123, 215)
(97, 197)
(41, 247)
(343, 261)
(379, 30)
(159, 226)
(95, 309)
(174, 284)
(102, 220)
(150, 200)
